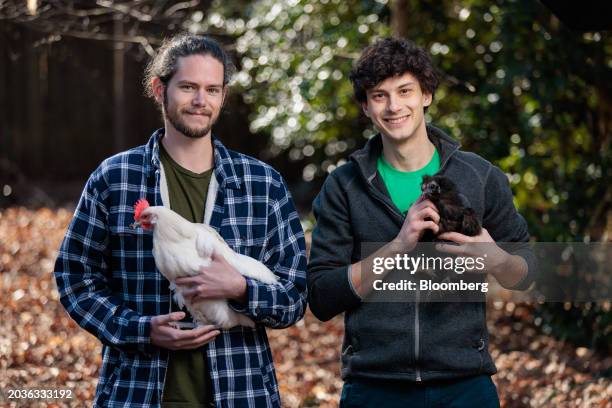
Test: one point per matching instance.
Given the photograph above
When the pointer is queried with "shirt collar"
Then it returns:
(367, 157)
(225, 170)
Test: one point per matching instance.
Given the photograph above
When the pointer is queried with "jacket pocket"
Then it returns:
(120, 224)
(380, 337)
(481, 347)
(123, 237)
(388, 352)
(453, 337)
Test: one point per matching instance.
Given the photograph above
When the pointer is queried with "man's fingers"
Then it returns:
(187, 293)
(168, 318)
(197, 341)
(200, 341)
(186, 281)
(424, 204)
(423, 225)
(455, 237)
(201, 330)
(424, 212)
(451, 249)
(428, 212)
(194, 333)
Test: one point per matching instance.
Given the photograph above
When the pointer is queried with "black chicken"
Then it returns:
(454, 216)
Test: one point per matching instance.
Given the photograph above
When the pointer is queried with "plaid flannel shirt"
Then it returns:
(108, 283)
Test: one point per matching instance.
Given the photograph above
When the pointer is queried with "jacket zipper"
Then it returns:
(417, 328)
(381, 198)
(417, 336)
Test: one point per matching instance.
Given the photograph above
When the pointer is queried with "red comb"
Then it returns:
(139, 207)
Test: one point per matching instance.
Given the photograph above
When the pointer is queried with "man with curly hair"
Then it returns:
(411, 353)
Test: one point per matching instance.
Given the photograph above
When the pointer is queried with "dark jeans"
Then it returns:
(470, 392)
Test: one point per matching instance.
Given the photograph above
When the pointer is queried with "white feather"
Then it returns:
(181, 248)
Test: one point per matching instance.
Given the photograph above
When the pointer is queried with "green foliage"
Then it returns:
(294, 60)
(520, 89)
(586, 325)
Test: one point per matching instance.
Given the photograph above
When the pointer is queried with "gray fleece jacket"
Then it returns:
(409, 340)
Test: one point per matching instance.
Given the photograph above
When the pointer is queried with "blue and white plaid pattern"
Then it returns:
(109, 285)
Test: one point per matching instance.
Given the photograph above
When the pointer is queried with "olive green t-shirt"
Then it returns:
(405, 186)
(187, 382)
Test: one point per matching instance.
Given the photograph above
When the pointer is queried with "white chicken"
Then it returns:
(181, 248)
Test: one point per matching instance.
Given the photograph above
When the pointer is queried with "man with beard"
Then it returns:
(105, 272)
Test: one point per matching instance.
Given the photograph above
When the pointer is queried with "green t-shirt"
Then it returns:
(405, 186)
(187, 382)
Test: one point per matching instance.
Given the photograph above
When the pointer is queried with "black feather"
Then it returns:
(454, 216)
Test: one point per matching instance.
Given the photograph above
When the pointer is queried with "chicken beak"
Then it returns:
(135, 225)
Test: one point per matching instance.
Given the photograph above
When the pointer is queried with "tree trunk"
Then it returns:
(118, 88)
(34, 112)
(400, 12)
(5, 68)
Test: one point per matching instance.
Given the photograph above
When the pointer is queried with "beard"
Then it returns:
(175, 119)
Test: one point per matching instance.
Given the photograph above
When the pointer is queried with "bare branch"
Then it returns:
(138, 39)
(456, 81)
(143, 19)
(181, 6)
(122, 8)
(89, 13)
(54, 35)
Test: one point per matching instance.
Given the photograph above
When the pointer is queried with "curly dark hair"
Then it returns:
(165, 63)
(389, 57)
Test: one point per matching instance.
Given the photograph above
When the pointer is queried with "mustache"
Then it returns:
(198, 112)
